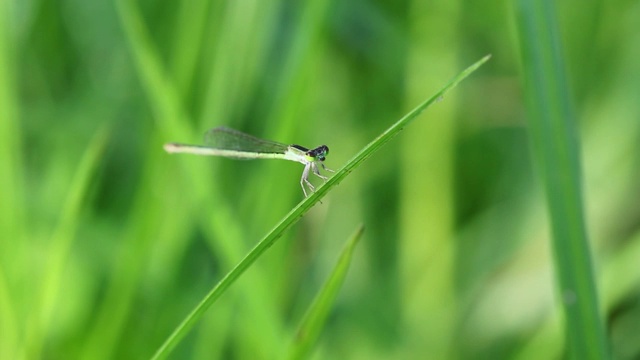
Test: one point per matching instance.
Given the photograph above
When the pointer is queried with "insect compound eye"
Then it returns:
(319, 152)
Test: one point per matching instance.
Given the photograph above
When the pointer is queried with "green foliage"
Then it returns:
(316, 316)
(553, 135)
(103, 252)
(296, 213)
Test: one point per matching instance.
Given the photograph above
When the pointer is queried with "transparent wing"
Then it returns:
(224, 138)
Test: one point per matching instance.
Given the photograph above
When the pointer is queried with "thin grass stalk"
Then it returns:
(555, 148)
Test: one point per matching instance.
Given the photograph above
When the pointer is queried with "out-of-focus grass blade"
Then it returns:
(316, 315)
(12, 204)
(553, 135)
(62, 239)
(165, 100)
(11, 167)
(296, 213)
(619, 277)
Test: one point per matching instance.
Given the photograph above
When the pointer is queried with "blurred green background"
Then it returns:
(107, 242)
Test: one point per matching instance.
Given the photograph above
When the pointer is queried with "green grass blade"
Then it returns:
(163, 95)
(619, 277)
(316, 315)
(62, 240)
(12, 209)
(8, 323)
(553, 135)
(190, 25)
(296, 213)
(11, 165)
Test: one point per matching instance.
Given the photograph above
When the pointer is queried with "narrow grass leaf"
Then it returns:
(314, 320)
(555, 148)
(12, 213)
(12, 204)
(62, 240)
(296, 213)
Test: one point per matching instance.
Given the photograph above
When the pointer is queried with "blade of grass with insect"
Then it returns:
(553, 135)
(296, 213)
(314, 320)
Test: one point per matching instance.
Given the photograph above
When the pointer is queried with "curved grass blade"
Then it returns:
(553, 135)
(296, 213)
(316, 315)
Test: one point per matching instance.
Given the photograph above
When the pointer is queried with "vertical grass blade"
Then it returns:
(12, 211)
(316, 315)
(427, 212)
(555, 147)
(61, 242)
